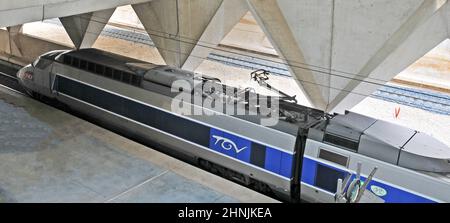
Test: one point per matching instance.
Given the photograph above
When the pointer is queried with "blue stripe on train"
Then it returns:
(231, 145)
(276, 161)
(392, 195)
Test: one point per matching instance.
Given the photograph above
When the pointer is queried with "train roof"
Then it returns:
(392, 143)
(112, 60)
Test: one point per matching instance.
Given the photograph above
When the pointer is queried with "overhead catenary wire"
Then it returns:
(302, 81)
(232, 52)
(289, 63)
(307, 82)
(330, 73)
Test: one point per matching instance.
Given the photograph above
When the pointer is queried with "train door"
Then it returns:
(326, 177)
(319, 179)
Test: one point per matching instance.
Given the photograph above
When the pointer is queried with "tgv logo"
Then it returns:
(227, 144)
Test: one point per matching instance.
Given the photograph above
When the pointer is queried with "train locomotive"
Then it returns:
(308, 155)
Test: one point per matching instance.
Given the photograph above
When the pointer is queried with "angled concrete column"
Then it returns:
(229, 14)
(448, 18)
(24, 11)
(84, 29)
(175, 26)
(300, 30)
(390, 38)
(340, 51)
(14, 42)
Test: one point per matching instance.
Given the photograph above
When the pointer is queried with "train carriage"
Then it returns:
(302, 157)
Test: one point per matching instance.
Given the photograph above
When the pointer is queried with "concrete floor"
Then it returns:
(49, 156)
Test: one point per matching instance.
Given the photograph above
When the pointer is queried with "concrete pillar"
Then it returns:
(84, 29)
(333, 46)
(15, 47)
(175, 26)
(299, 32)
(229, 14)
(422, 32)
(448, 18)
(25, 11)
(401, 39)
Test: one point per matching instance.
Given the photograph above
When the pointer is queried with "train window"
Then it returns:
(108, 72)
(341, 141)
(99, 69)
(333, 157)
(117, 75)
(91, 67)
(83, 64)
(67, 60)
(327, 177)
(126, 77)
(42, 63)
(135, 80)
(75, 62)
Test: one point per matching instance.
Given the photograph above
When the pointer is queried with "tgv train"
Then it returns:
(301, 157)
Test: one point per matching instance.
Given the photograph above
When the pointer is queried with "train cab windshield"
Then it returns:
(42, 63)
(36, 62)
(46, 59)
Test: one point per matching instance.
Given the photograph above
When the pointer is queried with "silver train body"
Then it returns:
(299, 158)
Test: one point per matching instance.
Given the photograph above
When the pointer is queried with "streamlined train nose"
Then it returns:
(423, 152)
(25, 73)
(19, 73)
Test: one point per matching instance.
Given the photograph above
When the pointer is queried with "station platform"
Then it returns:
(47, 155)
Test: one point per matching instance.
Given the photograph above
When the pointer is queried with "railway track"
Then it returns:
(9, 80)
(423, 99)
(426, 100)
